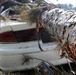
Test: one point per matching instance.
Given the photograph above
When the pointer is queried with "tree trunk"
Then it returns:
(61, 24)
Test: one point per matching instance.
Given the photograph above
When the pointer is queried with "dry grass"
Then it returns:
(24, 13)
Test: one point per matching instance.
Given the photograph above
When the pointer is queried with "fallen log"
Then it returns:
(60, 23)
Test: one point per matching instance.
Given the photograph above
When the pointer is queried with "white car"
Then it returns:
(19, 46)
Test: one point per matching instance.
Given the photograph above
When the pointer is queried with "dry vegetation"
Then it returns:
(63, 68)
